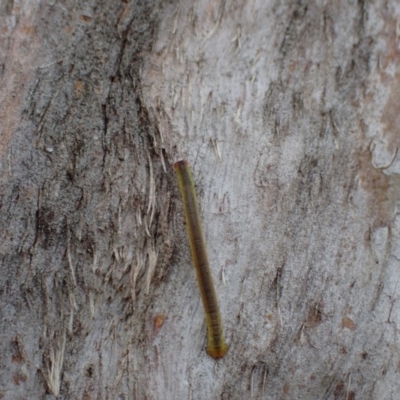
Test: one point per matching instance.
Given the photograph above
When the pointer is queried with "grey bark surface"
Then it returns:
(288, 112)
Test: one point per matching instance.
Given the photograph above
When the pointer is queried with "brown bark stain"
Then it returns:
(391, 115)
(18, 378)
(341, 392)
(338, 389)
(158, 322)
(376, 183)
(314, 317)
(17, 358)
(384, 189)
(348, 323)
(79, 87)
(391, 57)
(85, 18)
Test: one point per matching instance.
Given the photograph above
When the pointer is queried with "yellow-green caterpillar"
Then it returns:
(216, 347)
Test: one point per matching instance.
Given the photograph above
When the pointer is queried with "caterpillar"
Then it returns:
(216, 347)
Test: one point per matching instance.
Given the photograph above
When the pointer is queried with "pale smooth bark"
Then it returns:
(288, 112)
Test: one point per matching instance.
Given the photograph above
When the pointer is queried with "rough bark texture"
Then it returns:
(288, 112)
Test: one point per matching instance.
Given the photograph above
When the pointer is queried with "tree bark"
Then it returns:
(288, 112)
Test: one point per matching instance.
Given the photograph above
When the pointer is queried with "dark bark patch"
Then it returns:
(314, 317)
(89, 371)
(18, 378)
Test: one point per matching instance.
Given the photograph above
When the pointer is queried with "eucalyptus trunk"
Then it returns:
(289, 114)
